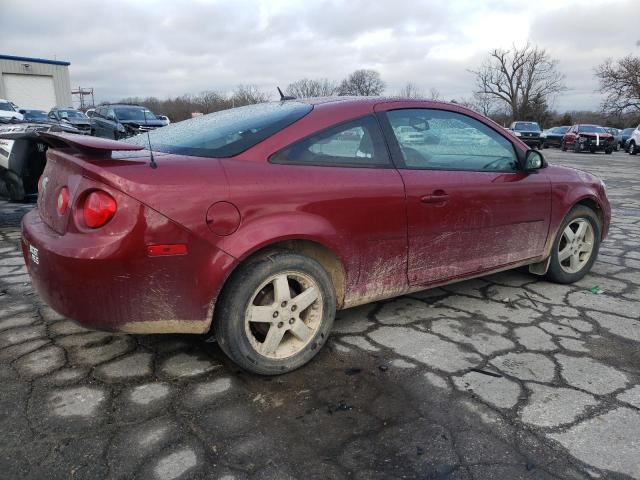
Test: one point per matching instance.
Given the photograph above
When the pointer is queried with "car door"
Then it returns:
(96, 122)
(344, 174)
(110, 124)
(469, 207)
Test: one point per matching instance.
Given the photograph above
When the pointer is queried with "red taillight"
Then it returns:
(63, 200)
(99, 208)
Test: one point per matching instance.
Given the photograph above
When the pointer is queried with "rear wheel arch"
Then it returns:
(324, 255)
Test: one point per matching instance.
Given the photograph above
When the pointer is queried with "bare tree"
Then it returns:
(307, 87)
(481, 103)
(410, 90)
(620, 82)
(520, 78)
(247, 95)
(434, 94)
(362, 82)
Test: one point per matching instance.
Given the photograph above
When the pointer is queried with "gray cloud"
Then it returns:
(125, 48)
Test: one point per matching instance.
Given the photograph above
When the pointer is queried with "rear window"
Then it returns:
(225, 133)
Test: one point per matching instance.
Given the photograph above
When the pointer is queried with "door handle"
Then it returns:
(438, 196)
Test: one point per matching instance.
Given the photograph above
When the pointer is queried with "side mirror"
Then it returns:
(533, 161)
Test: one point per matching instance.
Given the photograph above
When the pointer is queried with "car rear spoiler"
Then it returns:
(95, 146)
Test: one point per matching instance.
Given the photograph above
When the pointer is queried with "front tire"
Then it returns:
(577, 148)
(633, 148)
(576, 246)
(563, 146)
(275, 313)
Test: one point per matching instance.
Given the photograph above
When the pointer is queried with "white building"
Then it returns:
(35, 82)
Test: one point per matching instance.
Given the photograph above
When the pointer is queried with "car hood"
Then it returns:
(563, 173)
(77, 121)
(36, 126)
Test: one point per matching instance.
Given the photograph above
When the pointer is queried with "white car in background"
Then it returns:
(634, 141)
(8, 111)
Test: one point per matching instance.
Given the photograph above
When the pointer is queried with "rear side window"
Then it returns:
(225, 133)
(357, 143)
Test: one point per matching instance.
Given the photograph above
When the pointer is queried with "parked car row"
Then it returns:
(579, 138)
(22, 154)
(122, 121)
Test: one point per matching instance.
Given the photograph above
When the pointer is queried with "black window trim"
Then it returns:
(398, 159)
(390, 165)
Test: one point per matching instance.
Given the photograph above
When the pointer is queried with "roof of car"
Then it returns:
(365, 99)
(120, 105)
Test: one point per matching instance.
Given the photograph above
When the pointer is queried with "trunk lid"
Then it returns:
(181, 187)
(65, 158)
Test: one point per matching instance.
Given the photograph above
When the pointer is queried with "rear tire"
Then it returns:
(15, 187)
(608, 151)
(562, 269)
(262, 320)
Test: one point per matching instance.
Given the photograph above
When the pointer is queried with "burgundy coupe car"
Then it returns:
(259, 222)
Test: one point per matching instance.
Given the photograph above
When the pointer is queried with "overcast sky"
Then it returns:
(145, 48)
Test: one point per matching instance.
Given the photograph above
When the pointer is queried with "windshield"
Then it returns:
(527, 126)
(6, 107)
(561, 129)
(35, 115)
(71, 114)
(225, 133)
(591, 129)
(134, 113)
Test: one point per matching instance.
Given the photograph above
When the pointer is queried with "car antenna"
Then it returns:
(284, 97)
(152, 162)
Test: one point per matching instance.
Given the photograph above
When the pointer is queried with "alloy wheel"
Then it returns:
(284, 314)
(576, 245)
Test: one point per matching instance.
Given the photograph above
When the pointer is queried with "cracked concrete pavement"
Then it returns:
(502, 377)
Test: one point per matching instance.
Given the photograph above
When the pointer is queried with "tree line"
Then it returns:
(518, 83)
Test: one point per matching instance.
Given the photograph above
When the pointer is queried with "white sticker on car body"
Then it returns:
(34, 254)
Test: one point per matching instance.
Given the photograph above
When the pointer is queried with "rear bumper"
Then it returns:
(109, 282)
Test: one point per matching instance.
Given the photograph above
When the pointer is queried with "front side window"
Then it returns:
(225, 133)
(357, 143)
(443, 140)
